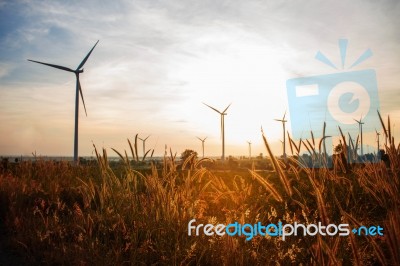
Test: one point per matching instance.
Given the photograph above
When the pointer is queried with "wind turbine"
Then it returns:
(77, 71)
(202, 143)
(249, 142)
(352, 152)
(284, 135)
(360, 127)
(377, 138)
(144, 144)
(222, 128)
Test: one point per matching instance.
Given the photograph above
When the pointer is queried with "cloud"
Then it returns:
(5, 69)
(157, 60)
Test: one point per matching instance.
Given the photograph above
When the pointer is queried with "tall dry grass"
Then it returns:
(107, 214)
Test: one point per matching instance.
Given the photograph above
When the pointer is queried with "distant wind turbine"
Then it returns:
(360, 123)
(222, 128)
(377, 138)
(351, 150)
(249, 142)
(144, 144)
(77, 71)
(202, 143)
(284, 134)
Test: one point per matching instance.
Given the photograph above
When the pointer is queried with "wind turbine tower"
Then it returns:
(77, 71)
(144, 144)
(377, 138)
(223, 113)
(202, 143)
(249, 142)
(360, 123)
(284, 134)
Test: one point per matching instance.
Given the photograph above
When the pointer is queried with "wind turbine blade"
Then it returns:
(147, 138)
(199, 139)
(51, 65)
(213, 108)
(86, 58)
(204, 139)
(81, 93)
(284, 115)
(226, 108)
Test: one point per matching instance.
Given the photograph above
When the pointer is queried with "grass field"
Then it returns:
(97, 214)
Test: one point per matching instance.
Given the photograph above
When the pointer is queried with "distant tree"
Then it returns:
(384, 157)
(338, 148)
(306, 159)
(369, 157)
(187, 153)
(4, 163)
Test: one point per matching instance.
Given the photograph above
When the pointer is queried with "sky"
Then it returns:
(158, 61)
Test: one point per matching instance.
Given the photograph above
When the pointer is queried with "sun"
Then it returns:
(248, 75)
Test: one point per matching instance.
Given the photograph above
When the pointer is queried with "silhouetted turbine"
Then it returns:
(249, 149)
(284, 134)
(144, 144)
(352, 151)
(202, 143)
(377, 139)
(361, 133)
(222, 127)
(77, 71)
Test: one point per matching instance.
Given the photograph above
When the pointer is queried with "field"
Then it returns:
(119, 214)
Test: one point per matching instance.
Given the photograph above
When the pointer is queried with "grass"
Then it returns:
(57, 213)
